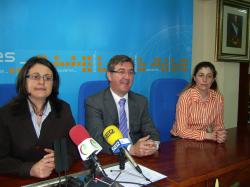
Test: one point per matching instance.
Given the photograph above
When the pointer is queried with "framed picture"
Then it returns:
(233, 31)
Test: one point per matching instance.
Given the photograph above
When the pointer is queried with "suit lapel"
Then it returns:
(46, 130)
(109, 104)
(132, 107)
(27, 125)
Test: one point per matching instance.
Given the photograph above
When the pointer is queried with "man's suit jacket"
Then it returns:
(101, 111)
(19, 146)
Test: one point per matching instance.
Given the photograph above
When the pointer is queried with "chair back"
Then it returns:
(164, 94)
(87, 89)
(7, 92)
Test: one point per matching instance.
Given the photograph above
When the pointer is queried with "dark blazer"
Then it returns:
(19, 146)
(101, 112)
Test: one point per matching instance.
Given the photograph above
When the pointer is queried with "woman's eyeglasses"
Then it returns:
(37, 77)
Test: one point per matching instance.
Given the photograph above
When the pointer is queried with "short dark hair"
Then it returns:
(117, 59)
(21, 78)
(209, 65)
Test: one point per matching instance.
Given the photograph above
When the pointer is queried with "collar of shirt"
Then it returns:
(47, 109)
(117, 97)
(37, 127)
(197, 96)
(46, 112)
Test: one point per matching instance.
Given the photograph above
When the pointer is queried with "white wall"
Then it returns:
(204, 48)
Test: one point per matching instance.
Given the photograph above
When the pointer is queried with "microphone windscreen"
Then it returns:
(78, 133)
(111, 134)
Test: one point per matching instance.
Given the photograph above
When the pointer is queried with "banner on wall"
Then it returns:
(79, 38)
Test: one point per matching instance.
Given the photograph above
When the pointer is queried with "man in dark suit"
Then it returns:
(103, 109)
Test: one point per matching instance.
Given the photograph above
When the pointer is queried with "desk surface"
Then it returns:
(185, 162)
(188, 162)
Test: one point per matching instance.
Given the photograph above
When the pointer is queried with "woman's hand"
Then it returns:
(218, 136)
(210, 136)
(221, 136)
(44, 167)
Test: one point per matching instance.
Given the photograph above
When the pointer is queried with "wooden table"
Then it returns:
(192, 163)
(186, 162)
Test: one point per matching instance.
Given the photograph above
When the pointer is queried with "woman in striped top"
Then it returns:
(200, 108)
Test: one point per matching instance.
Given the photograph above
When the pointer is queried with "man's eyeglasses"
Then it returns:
(37, 77)
(124, 73)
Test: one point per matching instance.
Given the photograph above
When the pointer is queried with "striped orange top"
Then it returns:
(194, 117)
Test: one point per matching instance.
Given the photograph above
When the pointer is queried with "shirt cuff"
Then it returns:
(129, 147)
(157, 143)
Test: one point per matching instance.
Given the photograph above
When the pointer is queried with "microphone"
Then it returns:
(87, 146)
(61, 160)
(115, 138)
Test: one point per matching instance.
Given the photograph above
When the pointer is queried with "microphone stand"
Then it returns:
(98, 177)
(122, 160)
(92, 169)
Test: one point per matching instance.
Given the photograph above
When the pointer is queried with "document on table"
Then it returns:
(130, 177)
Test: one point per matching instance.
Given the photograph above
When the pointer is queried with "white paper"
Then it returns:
(129, 174)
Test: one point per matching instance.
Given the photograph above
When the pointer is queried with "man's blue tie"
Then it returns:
(123, 118)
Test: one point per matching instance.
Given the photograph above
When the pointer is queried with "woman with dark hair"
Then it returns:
(31, 122)
(200, 108)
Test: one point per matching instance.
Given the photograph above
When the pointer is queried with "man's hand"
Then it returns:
(143, 147)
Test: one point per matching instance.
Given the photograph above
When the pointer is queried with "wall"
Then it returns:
(204, 48)
(80, 37)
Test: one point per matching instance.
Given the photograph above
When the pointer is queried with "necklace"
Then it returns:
(39, 120)
(40, 114)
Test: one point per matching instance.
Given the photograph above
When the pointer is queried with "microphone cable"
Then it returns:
(140, 184)
(59, 179)
(115, 180)
(147, 179)
(65, 177)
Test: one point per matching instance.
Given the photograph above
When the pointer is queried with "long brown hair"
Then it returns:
(204, 64)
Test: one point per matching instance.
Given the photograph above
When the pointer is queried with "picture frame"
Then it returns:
(233, 31)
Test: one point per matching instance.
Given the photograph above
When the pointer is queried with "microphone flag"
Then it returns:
(86, 145)
(115, 138)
